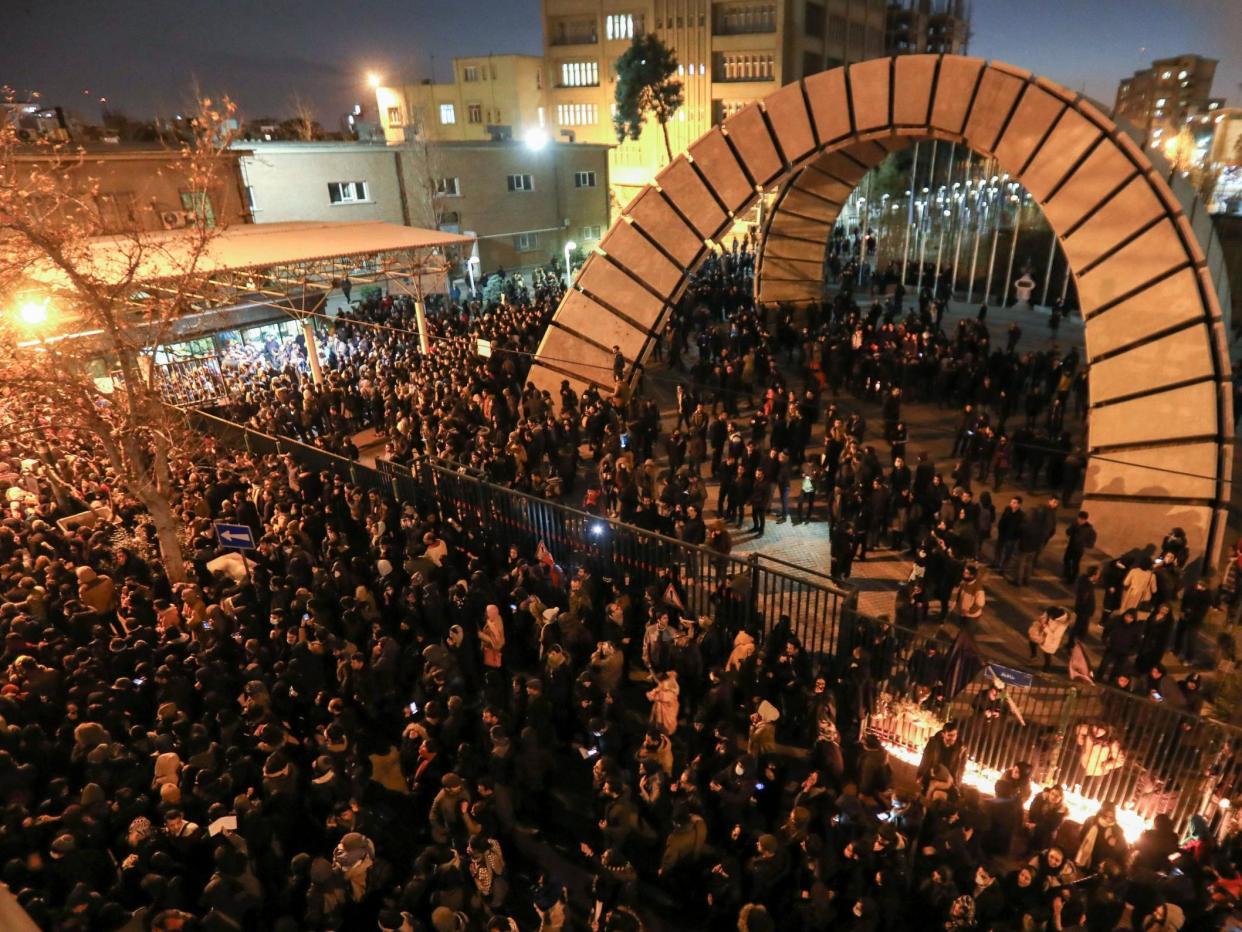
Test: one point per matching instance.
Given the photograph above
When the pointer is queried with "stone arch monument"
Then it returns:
(1160, 430)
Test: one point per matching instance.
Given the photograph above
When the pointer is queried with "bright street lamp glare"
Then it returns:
(571, 246)
(373, 79)
(32, 313)
(536, 139)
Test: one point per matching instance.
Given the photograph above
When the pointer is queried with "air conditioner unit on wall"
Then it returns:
(174, 219)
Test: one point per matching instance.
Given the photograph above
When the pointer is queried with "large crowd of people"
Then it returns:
(390, 719)
(770, 420)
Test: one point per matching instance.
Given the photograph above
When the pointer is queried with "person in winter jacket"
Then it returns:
(1047, 632)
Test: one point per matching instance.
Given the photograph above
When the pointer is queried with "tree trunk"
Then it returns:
(668, 148)
(167, 533)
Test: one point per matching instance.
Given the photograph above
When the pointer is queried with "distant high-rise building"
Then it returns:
(1161, 100)
(933, 26)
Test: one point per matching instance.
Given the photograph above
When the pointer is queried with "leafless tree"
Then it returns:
(109, 305)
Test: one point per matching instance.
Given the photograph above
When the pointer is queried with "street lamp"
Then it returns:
(32, 313)
(536, 139)
(570, 246)
(373, 79)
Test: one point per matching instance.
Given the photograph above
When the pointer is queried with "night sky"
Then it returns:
(144, 54)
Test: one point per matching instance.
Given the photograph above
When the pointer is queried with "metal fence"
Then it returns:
(1138, 753)
(740, 592)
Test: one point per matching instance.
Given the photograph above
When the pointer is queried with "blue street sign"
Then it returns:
(1010, 676)
(237, 536)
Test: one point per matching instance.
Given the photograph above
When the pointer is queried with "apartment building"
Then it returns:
(489, 97)
(1162, 99)
(523, 203)
(731, 52)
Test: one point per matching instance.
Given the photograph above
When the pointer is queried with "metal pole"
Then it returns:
(421, 317)
(960, 214)
(987, 299)
(1065, 284)
(940, 219)
(862, 232)
(924, 218)
(1013, 249)
(1052, 255)
(905, 253)
(974, 258)
(312, 351)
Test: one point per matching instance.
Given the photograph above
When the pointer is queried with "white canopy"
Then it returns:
(154, 257)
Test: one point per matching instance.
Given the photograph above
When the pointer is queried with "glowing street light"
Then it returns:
(373, 79)
(536, 139)
(33, 313)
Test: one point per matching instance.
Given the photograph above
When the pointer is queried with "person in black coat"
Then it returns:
(1084, 604)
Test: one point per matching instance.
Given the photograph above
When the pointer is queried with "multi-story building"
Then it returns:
(1160, 100)
(524, 203)
(490, 97)
(929, 26)
(730, 53)
(124, 188)
(332, 181)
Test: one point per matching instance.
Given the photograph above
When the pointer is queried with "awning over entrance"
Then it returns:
(150, 258)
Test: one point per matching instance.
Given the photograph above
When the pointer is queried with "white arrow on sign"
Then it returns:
(230, 537)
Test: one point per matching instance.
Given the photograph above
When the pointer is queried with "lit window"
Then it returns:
(521, 182)
(347, 192)
(1161, 101)
(584, 179)
(448, 187)
(577, 114)
(540, 110)
(1166, 75)
(526, 242)
(619, 26)
(1182, 74)
(474, 113)
(470, 73)
(1214, 105)
(448, 114)
(579, 74)
(394, 116)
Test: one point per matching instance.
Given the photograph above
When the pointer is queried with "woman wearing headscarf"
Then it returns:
(1102, 839)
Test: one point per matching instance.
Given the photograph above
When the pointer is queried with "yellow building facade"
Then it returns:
(490, 96)
(731, 52)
